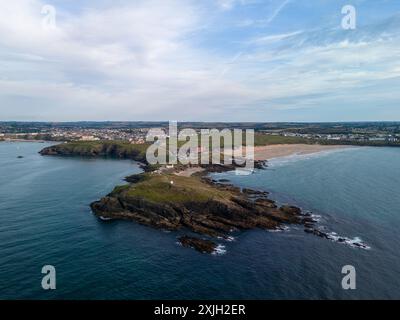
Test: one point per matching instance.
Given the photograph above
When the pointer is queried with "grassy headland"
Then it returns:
(114, 149)
(195, 203)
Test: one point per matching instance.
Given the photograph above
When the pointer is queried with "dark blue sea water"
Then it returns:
(45, 220)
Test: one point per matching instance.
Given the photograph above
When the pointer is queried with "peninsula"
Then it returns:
(183, 198)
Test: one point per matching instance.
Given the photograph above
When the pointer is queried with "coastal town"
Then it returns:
(135, 136)
(135, 132)
(364, 137)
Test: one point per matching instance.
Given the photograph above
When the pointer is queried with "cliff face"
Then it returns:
(195, 204)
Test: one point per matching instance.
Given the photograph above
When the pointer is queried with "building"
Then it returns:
(89, 138)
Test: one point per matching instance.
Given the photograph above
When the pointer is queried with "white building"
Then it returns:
(89, 138)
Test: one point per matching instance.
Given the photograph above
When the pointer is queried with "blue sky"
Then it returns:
(204, 60)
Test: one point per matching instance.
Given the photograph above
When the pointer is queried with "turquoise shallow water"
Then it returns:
(45, 219)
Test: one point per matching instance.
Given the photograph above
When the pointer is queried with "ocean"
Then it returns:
(45, 219)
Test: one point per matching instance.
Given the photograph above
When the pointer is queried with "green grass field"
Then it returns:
(158, 188)
(264, 140)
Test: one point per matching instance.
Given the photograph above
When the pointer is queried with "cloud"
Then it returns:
(123, 62)
(306, 69)
(152, 59)
(264, 40)
(226, 4)
(276, 8)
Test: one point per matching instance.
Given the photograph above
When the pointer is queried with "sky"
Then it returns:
(199, 60)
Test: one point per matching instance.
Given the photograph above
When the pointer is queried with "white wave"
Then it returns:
(316, 217)
(219, 250)
(287, 160)
(356, 242)
(280, 229)
(105, 218)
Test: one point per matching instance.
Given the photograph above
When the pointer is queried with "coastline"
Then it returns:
(29, 140)
(270, 250)
(271, 152)
(187, 198)
(282, 151)
(262, 153)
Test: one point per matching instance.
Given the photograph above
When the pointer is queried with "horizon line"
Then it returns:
(188, 121)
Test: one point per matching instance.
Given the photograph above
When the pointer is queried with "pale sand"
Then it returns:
(283, 150)
(275, 151)
(189, 171)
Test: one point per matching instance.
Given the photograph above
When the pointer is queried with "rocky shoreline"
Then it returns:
(196, 204)
(227, 208)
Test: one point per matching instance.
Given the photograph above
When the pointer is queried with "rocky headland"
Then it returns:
(163, 199)
(196, 204)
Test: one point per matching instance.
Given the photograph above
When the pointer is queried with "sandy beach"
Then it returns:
(283, 150)
(275, 151)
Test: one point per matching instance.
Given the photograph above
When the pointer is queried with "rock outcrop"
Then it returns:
(205, 208)
(201, 245)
